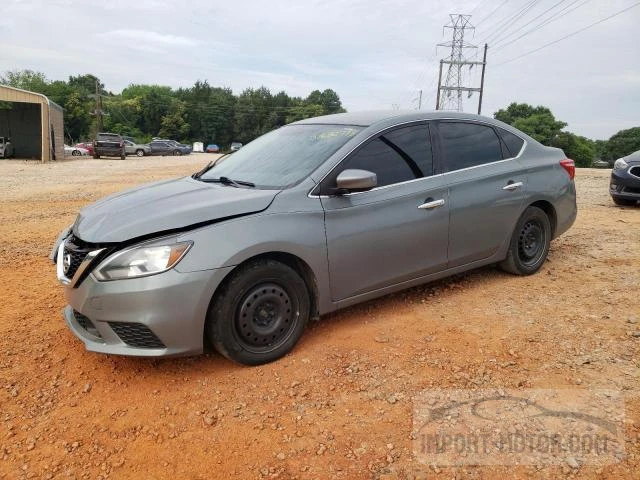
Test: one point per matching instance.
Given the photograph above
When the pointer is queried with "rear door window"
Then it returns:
(467, 145)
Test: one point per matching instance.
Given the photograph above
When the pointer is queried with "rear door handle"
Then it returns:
(431, 204)
(512, 186)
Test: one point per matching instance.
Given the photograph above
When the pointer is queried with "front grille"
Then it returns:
(635, 171)
(136, 335)
(77, 251)
(631, 190)
(86, 324)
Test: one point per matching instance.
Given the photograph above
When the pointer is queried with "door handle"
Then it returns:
(431, 204)
(512, 186)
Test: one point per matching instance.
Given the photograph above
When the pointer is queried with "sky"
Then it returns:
(375, 54)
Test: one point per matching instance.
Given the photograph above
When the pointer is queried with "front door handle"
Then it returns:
(512, 186)
(430, 203)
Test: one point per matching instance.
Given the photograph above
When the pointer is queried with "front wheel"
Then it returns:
(529, 244)
(140, 153)
(259, 314)
(75, 153)
(177, 153)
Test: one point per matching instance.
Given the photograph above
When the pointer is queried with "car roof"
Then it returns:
(368, 118)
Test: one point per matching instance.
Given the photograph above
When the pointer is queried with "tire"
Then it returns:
(177, 153)
(623, 202)
(96, 156)
(140, 153)
(123, 156)
(259, 313)
(529, 245)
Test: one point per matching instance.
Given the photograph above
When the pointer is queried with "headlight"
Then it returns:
(620, 164)
(141, 261)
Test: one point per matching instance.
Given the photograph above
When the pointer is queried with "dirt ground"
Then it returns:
(340, 405)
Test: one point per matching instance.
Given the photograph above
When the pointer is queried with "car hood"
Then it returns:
(165, 206)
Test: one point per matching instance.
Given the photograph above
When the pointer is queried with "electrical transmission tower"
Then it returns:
(449, 95)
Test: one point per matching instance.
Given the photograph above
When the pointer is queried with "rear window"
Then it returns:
(106, 136)
(514, 143)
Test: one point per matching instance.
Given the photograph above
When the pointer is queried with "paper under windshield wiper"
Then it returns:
(228, 181)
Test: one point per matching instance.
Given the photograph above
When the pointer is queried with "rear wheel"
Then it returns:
(623, 202)
(259, 314)
(177, 153)
(75, 153)
(529, 244)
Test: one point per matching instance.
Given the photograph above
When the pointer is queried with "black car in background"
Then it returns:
(163, 147)
(109, 144)
(625, 180)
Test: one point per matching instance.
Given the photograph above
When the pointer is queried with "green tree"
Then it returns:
(622, 144)
(173, 124)
(537, 122)
(26, 80)
(580, 149)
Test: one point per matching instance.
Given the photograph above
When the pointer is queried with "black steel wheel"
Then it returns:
(259, 314)
(529, 244)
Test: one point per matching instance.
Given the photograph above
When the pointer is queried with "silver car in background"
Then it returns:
(137, 149)
(310, 218)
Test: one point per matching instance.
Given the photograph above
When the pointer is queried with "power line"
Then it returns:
(504, 23)
(514, 20)
(569, 35)
(492, 12)
(535, 18)
(558, 15)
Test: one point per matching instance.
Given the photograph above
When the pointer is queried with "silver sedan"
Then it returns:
(310, 218)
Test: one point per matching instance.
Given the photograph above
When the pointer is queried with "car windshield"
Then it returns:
(284, 156)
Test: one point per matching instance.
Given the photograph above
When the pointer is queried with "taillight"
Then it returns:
(570, 166)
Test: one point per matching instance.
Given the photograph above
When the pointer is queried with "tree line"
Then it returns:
(539, 123)
(199, 113)
(215, 115)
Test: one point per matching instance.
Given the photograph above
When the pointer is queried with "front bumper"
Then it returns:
(624, 184)
(156, 316)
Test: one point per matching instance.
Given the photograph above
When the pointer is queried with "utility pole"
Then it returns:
(98, 108)
(98, 112)
(420, 100)
(449, 95)
(484, 66)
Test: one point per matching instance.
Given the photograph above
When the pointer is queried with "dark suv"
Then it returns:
(624, 187)
(109, 144)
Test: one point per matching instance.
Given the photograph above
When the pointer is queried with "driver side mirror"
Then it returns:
(354, 180)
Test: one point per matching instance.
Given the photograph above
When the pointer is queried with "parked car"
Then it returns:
(212, 148)
(235, 146)
(109, 144)
(75, 151)
(6, 147)
(624, 187)
(310, 218)
(600, 164)
(159, 147)
(137, 149)
(88, 146)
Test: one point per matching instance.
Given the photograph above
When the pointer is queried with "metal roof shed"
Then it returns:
(34, 123)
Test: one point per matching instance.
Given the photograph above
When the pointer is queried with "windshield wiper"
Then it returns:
(228, 181)
(208, 167)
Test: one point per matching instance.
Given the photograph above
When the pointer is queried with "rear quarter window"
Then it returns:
(514, 143)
